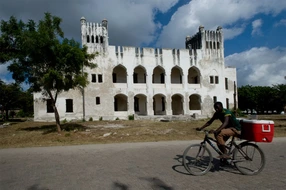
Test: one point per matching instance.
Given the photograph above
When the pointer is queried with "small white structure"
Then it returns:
(147, 82)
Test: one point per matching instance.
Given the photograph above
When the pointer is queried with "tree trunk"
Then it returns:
(7, 114)
(57, 117)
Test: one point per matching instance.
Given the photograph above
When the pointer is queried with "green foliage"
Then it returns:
(130, 117)
(41, 56)
(64, 121)
(21, 114)
(117, 118)
(90, 119)
(100, 119)
(13, 97)
(262, 98)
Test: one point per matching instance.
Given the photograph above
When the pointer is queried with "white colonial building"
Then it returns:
(147, 82)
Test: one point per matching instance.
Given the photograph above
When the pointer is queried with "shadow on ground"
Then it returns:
(216, 166)
(46, 129)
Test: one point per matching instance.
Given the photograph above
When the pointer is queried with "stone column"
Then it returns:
(168, 105)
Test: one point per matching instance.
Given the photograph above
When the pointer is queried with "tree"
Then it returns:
(279, 92)
(246, 98)
(10, 95)
(42, 57)
(262, 98)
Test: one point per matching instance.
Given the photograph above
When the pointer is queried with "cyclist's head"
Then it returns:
(218, 106)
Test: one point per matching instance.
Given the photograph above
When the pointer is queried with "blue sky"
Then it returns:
(254, 30)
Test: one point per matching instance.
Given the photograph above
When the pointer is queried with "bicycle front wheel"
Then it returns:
(197, 159)
(249, 159)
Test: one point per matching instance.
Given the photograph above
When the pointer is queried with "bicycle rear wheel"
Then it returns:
(197, 159)
(249, 159)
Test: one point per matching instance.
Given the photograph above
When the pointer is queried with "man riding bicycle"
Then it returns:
(230, 127)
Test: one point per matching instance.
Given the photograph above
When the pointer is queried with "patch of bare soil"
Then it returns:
(30, 134)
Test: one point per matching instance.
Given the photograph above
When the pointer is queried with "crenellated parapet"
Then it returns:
(95, 35)
(211, 42)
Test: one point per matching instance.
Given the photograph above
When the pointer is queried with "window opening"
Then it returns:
(216, 79)
(136, 104)
(211, 79)
(163, 104)
(162, 78)
(69, 105)
(226, 83)
(50, 106)
(100, 78)
(97, 100)
(114, 77)
(93, 77)
(135, 77)
(214, 99)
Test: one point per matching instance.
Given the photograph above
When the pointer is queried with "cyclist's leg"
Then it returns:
(222, 137)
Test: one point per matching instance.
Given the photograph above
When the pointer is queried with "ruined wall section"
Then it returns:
(211, 47)
(95, 35)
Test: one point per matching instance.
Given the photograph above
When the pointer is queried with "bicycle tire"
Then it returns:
(197, 159)
(254, 163)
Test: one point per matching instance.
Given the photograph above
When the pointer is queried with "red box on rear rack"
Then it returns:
(257, 130)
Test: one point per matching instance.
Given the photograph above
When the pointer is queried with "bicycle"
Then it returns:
(247, 157)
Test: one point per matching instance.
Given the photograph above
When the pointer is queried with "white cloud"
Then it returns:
(282, 22)
(230, 33)
(256, 27)
(259, 66)
(213, 13)
(131, 22)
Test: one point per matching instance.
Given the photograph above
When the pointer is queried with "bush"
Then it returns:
(100, 118)
(90, 119)
(130, 117)
(21, 113)
(117, 118)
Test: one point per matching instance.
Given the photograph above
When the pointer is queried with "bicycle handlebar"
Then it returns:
(204, 131)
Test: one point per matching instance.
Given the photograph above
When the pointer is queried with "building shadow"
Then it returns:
(157, 183)
(36, 187)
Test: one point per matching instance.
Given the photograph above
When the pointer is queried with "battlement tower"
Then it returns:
(210, 42)
(94, 35)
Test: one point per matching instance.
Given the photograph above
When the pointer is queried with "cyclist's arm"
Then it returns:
(225, 123)
(207, 123)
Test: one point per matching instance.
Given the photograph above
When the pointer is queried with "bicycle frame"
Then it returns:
(197, 158)
(210, 140)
